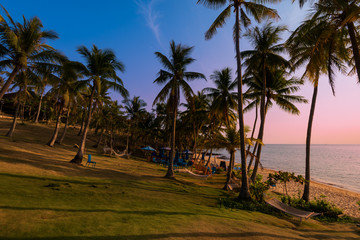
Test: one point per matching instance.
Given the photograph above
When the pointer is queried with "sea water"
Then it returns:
(338, 165)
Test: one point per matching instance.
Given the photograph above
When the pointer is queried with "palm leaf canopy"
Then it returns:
(101, 68)
(174, 74)
(24, 44)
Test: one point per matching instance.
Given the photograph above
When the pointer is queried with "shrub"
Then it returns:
(251, 205)
(329, 212)
(258, 188)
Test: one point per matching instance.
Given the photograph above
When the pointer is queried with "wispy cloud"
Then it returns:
(151, 16)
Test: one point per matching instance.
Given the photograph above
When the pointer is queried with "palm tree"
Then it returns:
(230, 141)
(306, 46)
(174, 78)
(341, 13)
(258, 12)
(47, 77)
(101, 66)
(22, 82)
(23, 46)
(134, 108)
(64, 92)
(195, 115)
(263, 58)
(224, 100)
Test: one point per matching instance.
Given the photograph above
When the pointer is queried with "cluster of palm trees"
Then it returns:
(207, 120)
(33, 65)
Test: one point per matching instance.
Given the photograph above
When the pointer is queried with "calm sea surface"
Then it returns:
(338, 165)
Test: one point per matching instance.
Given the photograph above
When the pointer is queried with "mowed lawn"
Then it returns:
(43, 196)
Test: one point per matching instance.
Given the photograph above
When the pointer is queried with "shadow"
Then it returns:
(144, 213)
(201, 235)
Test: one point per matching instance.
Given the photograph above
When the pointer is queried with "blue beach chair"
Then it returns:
(89, 161)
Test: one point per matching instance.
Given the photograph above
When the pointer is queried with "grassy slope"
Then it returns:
(42, 196)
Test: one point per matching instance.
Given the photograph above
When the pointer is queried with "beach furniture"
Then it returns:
(90, 162)
(290, 210)
(185, 170)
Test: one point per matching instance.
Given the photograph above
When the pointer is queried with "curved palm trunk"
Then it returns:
(252, 156)
(39, 107)
(252, 136)
(100, 139)
(51, 143)
(13, 125)
(230, 169)
(306, 194)
(260, 136)
(9, 81)
(354, 45)
(82, 123)
(65, 128)
(244, 191)
(79, 156)
(195, 137)
(209, 159)
(170, 171)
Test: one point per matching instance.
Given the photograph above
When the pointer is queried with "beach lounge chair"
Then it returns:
(89, 161)
(290, 210)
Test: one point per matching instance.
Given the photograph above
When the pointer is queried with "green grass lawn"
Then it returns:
(43, 196)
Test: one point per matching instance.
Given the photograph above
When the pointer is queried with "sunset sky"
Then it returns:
(135, 29)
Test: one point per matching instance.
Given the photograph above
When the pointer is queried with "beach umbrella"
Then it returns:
(148, 148)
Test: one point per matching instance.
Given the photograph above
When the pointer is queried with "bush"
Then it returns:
(251, 205)
(258, 188)
(329, 212)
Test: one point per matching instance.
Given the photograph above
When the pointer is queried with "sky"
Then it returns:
(136, 29)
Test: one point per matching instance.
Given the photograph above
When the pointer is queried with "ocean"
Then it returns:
(333, 164)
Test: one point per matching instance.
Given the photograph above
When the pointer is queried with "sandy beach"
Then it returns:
(342, 198)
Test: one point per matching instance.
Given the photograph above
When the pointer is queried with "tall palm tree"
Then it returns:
(23, 46)
(279, 91)
(101, 67)
(64, 92)
(195, 114)
(230, 141)
(22, 82)
(264, 57)
(224, 100)
(47, 77)
(174, 77)
(134, 108)
(241, 8)
(307, 47)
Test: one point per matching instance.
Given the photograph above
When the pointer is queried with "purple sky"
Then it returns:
(135, 29)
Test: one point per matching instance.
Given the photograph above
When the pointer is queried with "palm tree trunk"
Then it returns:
(9, 81)
(354, 45)
(100, 138)
(13, 125)
(39, 107)
(82, 122)
(229, 171)
(65, 128)
(79, 156)
(208, 161)
(170, 171)
(51, 143)
(195, 137)
(244, 191)
(306, 194)
(252, 136)
(252, 156)
(263, 108)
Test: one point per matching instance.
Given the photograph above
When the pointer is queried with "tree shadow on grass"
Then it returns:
(143, 213)
(200, 235)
